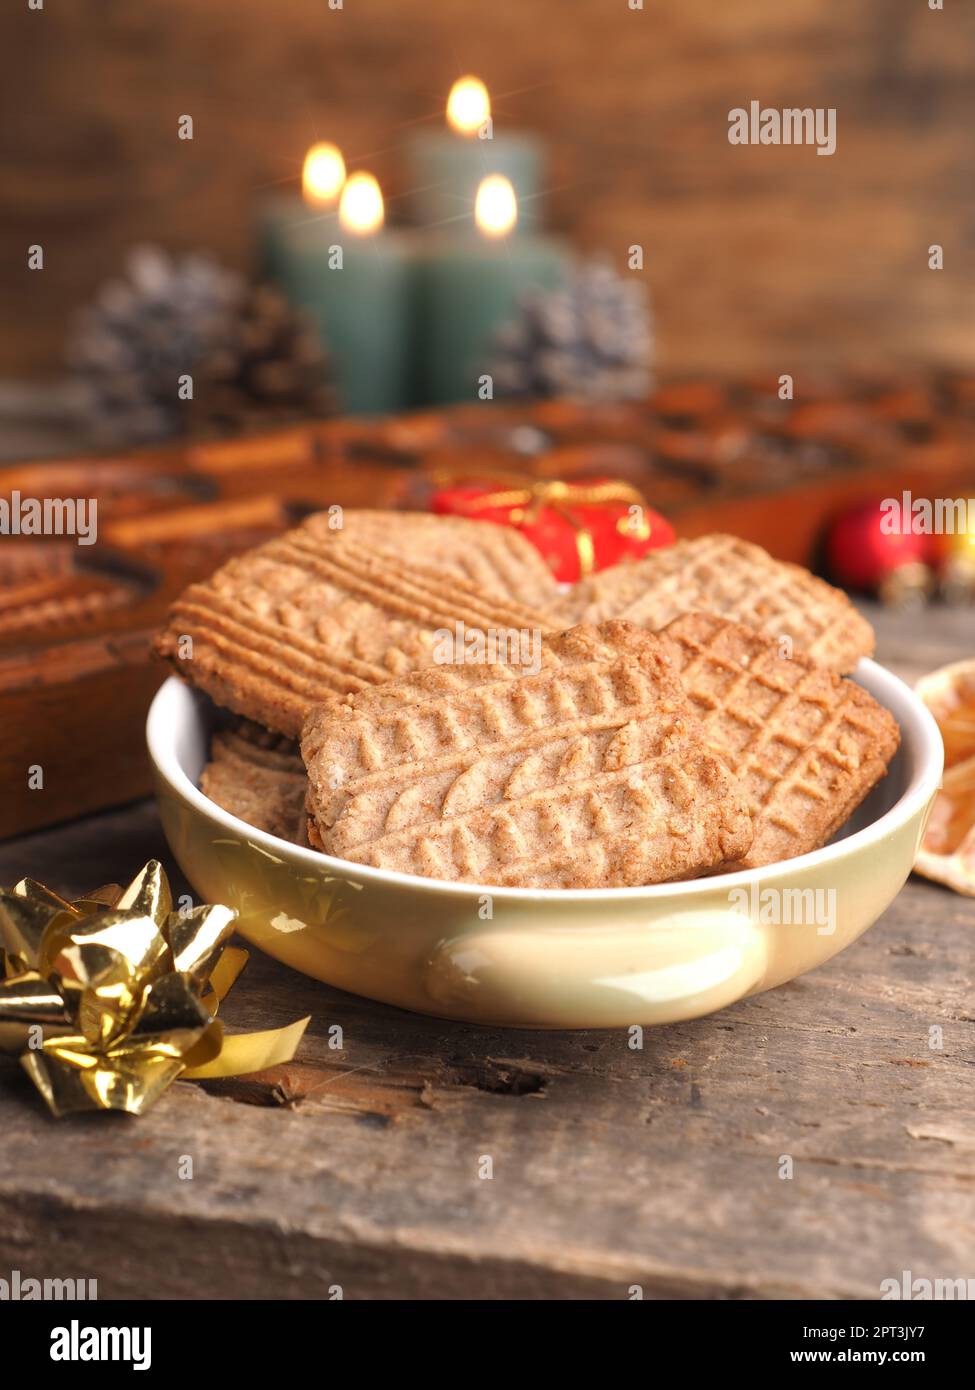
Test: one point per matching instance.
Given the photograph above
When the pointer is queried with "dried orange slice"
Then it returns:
(948, 850)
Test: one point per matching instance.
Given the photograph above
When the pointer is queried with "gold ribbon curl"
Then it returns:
(110, 998)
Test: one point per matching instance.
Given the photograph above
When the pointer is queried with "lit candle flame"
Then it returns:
(468, 105)
(495, 207)
(322, 174)
(361, 205)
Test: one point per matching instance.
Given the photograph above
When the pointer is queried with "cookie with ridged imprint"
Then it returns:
(285, 626)
(259, 777)
(496, 558)
(805, 746)
(738, 580)
(590, 772)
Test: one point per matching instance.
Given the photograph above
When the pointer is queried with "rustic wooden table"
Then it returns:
(660, 1168)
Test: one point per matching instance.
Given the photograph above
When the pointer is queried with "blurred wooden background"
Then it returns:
(759, 258)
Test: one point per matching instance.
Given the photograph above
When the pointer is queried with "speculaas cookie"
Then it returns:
(590, 773)
(308, 615)
(259, 777)
(804, 745)
(733, 578)
(495, 558)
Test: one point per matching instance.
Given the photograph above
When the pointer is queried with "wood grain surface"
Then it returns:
(358, 1168)
(758, 257)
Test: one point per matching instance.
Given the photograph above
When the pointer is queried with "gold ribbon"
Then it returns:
(111, 998)
(523, 498)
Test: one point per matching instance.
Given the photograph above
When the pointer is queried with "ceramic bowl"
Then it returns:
(547, 958)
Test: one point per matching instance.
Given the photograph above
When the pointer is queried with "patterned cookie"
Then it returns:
(496, 558)
(590, 773)
(277, 630)
(259, 777)
(804, 745)
(731, 577)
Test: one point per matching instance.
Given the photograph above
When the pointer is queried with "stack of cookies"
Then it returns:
(416, 693)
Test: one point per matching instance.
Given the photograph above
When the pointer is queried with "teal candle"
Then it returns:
(353, 279)
(445, 167)
(468, 287)
(444, 170)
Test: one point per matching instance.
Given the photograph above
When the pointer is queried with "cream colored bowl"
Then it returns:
(594, 958)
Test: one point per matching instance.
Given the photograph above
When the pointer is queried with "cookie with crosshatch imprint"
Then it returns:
(259, 777)
(591, 773)
(805, 746)
(732, 577)
(314, 613)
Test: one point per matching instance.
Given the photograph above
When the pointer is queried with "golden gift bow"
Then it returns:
(524, 497)
(110, 998)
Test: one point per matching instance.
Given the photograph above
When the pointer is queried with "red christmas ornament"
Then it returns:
(867, 550)
(578, 527)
